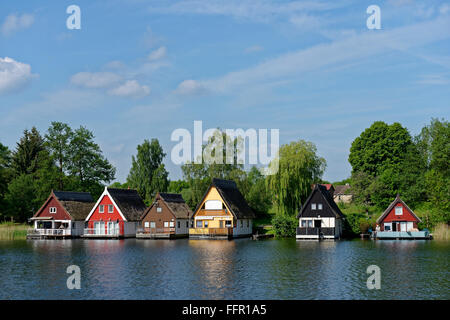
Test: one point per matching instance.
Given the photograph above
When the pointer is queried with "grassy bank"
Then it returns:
(441, 232)
(13, 231)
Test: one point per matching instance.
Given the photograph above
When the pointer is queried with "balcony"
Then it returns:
(315, 232)
(213, 213)
(101, 232)
(211, 232)
(43, 233)
(156, 230)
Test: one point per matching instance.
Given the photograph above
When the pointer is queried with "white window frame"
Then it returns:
(101, 208)
(398, 212)
(158, 209)
(166, 224)
(171, 224)
(52, 210)
(152, 224)
(319, 206)
(313, 206)
(146, 224)
(110, 206)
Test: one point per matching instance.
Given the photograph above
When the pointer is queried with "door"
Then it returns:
(111, 228)
(317, 223)
(403, 226)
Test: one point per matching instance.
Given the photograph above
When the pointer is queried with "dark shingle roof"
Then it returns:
(177, 205)
(328, 199)
(233, 198)
(73, 196)
(77, 210)
(129, 203)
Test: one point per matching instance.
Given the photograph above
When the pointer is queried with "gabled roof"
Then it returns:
(232, 197)
(391, 206)
(129, 202)
(76, 204)
(175, 203)
(341, 189)
(328, 200)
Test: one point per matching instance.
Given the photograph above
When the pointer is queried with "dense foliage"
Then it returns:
(64, 159)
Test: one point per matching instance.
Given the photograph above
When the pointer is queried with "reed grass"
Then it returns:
(441, 232)
(13, 231)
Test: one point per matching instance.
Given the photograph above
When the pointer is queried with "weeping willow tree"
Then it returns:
(298, 167)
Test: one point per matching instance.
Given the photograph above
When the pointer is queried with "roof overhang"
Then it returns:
(41, 218)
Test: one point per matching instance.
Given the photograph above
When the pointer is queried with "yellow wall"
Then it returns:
(213, 194)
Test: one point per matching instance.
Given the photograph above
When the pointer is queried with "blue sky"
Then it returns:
(140, 69)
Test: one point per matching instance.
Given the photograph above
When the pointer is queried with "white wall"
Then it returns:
(243, 230)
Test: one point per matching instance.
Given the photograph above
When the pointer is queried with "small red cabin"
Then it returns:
(398, 217)
(116, 214)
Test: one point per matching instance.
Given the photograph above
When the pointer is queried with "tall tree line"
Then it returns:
(62, 159)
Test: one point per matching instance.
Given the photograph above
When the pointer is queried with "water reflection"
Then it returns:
(238, 269)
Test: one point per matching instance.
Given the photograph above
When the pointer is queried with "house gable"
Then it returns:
(105, 199)
(213, 194)
(390, 216)
(52, 202)
(320, 195)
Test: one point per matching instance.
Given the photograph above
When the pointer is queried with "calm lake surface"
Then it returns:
(215, 269)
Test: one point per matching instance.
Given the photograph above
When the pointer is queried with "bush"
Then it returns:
(284, 226)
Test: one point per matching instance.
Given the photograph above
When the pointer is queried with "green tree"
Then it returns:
(25, 159)
(88, 168)
(379, 147)
(20, 198)
(258, 196)
(176, 186)
(148, 174)
(5, 176)
(299, 168)
(58, 139)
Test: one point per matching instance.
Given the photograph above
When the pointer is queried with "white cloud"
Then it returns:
(264, 10)
(190, 87)
(336, 53)
(157, 54)
(13, 75)
(15, 23)
(130, 88)
(95, 79)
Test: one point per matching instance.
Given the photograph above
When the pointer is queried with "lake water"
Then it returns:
(215, 269)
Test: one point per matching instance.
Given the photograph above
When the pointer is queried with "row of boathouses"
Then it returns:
(222, 213)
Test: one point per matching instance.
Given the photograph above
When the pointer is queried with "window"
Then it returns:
(178, 225)
(199, 223)
(166, 224)
(73, 226)
(228, 224)
(310, 223)
(110, 208)
(398, 211)
(213, 205)
(172, 224)
(101, 208)
(303, 223)
(206, 224)
(187, 224)
(146, 224)
(248, 223)
(319, 206)
(158, 209)
(152, 224)
(242, 223)
(52, 209)
(387, 226)
(313, 206)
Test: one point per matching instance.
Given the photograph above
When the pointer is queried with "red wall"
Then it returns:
(392, 217)
(60, 212)
(105, 216)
